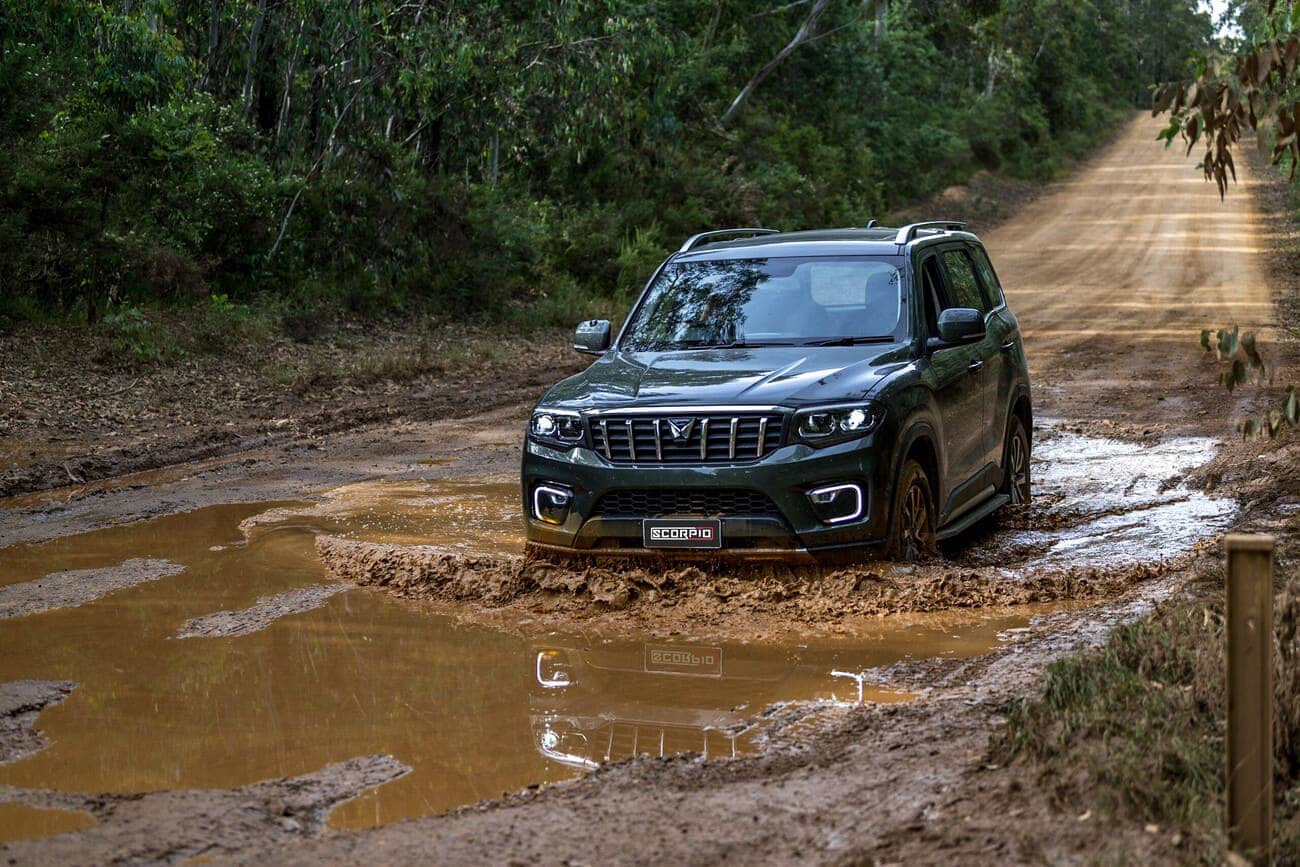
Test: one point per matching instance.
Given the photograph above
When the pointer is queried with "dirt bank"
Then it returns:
(68, 420)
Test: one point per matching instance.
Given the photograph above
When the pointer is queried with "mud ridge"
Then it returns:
(810, 595)
(79, 586)
(21, 701)
(226, 624)
(176, 825)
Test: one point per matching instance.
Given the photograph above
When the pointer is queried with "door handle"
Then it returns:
(974, 366)
(1008, 346)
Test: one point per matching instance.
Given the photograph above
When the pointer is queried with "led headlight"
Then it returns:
(836, 424)
(556, 428)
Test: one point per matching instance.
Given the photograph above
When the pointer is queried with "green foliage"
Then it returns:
(482, 159)
(135, 339)
(1240, 361)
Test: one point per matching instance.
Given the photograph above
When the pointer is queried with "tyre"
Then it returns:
(912, 524)
(1015, 463)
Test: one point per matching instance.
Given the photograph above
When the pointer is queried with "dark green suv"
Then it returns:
(789, 394)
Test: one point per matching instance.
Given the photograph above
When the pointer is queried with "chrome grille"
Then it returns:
(684, 438)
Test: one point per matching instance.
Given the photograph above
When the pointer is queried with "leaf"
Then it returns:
(1205, 339)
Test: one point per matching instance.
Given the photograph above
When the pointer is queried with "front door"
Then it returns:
(959, 391)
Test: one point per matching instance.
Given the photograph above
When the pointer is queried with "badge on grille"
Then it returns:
(680, 428)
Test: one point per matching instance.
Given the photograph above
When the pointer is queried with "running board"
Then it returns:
(974, 516)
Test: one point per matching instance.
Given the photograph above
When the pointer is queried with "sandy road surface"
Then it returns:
(1114, 273)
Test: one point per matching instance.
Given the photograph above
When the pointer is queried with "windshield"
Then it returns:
(769, 302)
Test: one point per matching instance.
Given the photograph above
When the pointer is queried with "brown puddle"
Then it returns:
(475, 711)
(21, 822)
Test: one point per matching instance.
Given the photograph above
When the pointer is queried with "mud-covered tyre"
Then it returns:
(912, 522)
(1016, 481)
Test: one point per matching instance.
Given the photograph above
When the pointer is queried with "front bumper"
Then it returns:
(785, 475)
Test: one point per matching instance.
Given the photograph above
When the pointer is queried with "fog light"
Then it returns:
(836, 504)
(551, 505)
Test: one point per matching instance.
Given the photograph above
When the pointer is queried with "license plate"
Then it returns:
(681, 533)
(683, 659)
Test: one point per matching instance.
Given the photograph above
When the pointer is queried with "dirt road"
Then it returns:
(1112, 274)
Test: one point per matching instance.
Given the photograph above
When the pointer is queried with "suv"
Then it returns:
(789, 394)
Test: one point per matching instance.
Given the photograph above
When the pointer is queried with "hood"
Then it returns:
(778, 375)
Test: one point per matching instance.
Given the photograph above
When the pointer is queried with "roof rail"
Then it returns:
(909, 231)
(694, 240)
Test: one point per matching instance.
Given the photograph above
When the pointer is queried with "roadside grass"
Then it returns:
(1135, 729)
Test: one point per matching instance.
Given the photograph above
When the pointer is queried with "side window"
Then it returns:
(964, 287)
(931, 292)
(992, 289)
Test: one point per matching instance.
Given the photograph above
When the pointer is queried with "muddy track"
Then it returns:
(1112, 274)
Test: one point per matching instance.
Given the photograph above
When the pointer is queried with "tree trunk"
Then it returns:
(882, 15)
(249, 74)
(214, 34)
(806, 31)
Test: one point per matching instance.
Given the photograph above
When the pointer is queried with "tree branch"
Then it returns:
(806, 30)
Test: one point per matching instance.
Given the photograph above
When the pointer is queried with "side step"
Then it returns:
(974, 516)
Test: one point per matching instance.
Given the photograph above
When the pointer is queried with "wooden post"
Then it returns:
(1250, 695)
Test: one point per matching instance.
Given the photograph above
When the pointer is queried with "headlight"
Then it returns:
(556, 428)
(836, 424)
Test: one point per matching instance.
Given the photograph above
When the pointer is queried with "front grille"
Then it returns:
(702, 502)
(686, 438)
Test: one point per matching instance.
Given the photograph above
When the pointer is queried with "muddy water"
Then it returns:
(21, 822)
(474, 711)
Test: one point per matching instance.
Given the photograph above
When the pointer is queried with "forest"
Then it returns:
(491, 160)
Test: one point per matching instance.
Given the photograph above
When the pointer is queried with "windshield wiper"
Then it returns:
(850, 341)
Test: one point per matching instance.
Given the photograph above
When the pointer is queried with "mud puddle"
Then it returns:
(474, 711)
(21, 822)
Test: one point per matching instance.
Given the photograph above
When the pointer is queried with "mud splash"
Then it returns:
(1108, 515)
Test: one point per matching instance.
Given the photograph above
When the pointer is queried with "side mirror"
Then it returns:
(592, 336)
(961, 325)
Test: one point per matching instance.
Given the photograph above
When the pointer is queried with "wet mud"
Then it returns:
(226, 624)
(170, 827)
(78, 586)
(21, 701)
(1109, 514)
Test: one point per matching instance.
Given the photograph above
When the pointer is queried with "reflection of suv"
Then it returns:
(788, 393)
